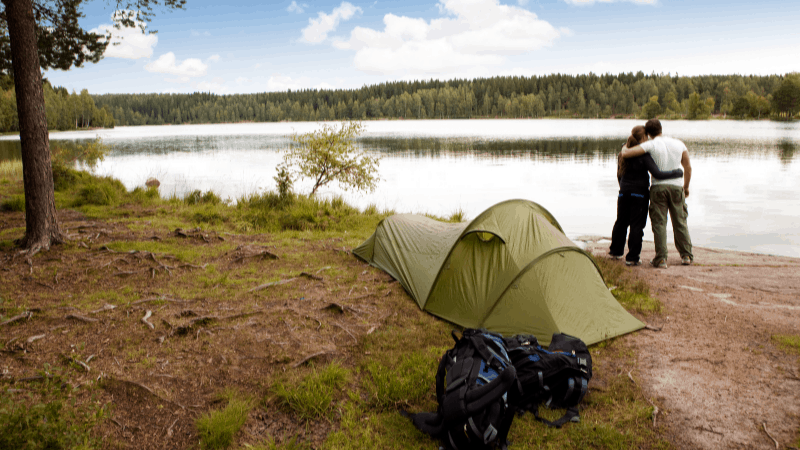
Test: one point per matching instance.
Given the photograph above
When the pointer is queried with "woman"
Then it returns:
(634, 199)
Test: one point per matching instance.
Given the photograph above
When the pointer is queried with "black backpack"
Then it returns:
(558, 377)
(473, 385)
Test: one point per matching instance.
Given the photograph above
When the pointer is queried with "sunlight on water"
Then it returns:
(746, 174)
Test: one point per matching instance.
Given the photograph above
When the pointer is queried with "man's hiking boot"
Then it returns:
(686, 261)
(659, 263)
(638, 262)
(613, 256)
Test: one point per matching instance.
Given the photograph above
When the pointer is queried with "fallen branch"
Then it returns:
(652, 328)
(701, 428)
(348, 332)
(631, 377)
(264, 255)
(309, 358)
(106, 307)
(144, 319)
(31, 339)
(311, 276)
(45, 285)
(80, 363)
(160, 299)
(777, 445)
(25, 315)
(655, 412)
(274, 283)
(81, 318)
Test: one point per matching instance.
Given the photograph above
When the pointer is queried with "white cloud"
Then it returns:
(181, 80)
(216, 85)
(128, 43)
(592, 2)
(318, 29)
(166, 63)
(297, 8)
(522, 2)
(213, 58)
(473, 33)
(196, 33)
(242, 80)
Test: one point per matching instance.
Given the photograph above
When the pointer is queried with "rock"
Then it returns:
(152, 182)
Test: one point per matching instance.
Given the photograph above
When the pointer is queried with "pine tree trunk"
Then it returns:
(41, 224)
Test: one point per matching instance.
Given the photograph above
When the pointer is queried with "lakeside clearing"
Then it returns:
(182, 322)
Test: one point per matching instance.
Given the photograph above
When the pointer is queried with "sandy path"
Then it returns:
(714, 368)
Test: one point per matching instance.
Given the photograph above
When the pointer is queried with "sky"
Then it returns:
(251, 46)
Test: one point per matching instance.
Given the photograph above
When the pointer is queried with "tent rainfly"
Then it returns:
(511, 270)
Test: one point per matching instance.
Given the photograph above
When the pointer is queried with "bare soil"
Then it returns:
(719, 378)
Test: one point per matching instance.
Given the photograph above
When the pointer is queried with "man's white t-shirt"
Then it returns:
(666, 153)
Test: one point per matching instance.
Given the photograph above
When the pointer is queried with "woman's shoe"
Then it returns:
(638, 262)
(613, 256)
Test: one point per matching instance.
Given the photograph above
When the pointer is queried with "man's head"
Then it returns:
(652, 127)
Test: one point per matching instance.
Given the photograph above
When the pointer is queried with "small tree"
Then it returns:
(652, 108)
(330, 154)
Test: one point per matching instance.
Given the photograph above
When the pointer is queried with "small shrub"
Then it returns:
(64, 177)
(15, 203)
(96, 194)
(197, 197)
(312, 397)
(284, 181)
(217, 429)
(457, 216)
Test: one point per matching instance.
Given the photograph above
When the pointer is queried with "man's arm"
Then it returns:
(687, 171)
(632, 152)
(651, 167)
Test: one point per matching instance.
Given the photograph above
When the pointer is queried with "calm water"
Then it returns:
(746, 175)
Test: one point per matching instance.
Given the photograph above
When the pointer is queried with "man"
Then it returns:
(667, 195)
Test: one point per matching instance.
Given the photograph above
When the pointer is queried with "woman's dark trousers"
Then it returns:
(631, 212)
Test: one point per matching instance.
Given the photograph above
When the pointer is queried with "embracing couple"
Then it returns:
(648, 151)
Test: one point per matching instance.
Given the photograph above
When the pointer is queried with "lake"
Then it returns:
(746, 174)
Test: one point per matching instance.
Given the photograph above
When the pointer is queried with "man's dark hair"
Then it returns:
(652, 127)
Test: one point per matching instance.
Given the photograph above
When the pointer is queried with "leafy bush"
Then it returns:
(99, 191)
(15, 203)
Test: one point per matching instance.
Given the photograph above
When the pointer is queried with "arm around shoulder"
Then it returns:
(632, 152)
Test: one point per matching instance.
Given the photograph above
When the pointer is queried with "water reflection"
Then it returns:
(786, 150)
(745, 176)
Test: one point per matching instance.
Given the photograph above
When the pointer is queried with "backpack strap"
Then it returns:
(572, 415)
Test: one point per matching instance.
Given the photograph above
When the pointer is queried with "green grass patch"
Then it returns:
(217, 429)
(789, 343)
(48, 415)
(14, 203)
(312, 397)
(633, 294)
(406, 380)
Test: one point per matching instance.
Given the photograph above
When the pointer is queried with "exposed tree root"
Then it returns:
(25, 315)
(147, 315)
(81, 318)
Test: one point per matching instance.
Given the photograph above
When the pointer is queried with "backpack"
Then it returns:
(558, 376)
(473, 383)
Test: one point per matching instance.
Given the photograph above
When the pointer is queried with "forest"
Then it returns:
(563, 96)
(64, 111)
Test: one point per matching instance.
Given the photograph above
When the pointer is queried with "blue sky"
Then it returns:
(248, 46)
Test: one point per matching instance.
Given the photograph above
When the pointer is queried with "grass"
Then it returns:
(218, 428)
(633, 294)
(48, 415)
(788, 343)
(312, 396)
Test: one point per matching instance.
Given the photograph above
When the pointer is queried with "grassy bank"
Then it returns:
(190, 322)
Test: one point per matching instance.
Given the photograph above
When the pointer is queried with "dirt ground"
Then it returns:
(161, 336)
(715, 372)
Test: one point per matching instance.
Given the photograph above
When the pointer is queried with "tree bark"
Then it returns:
(41, 224)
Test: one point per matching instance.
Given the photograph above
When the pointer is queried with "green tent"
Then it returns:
(511, 270)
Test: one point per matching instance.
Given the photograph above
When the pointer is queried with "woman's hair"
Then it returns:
(637, 137)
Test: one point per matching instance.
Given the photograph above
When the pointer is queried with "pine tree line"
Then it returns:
(64, 111)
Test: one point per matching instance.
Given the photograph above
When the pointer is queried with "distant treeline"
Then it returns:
(64, 111)
(590, 95)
